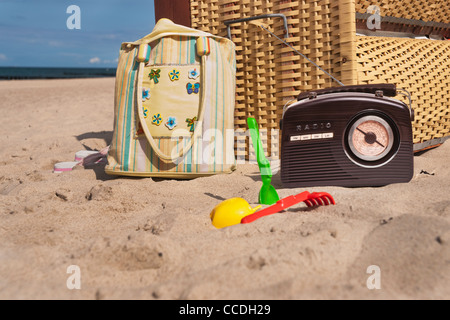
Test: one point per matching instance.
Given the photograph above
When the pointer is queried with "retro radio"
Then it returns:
(351, 136)
(347, 136)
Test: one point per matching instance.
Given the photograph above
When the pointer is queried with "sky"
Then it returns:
(35, 33)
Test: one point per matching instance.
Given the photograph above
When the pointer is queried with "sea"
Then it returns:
(19, 73)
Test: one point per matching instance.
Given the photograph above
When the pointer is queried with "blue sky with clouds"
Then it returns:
(34, 33)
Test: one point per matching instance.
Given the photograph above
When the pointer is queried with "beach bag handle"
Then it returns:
(198, 126)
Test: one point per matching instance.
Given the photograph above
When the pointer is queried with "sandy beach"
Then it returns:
(153, 239)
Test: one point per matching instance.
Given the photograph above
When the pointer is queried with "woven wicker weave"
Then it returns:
(421, 67)
(270, 74)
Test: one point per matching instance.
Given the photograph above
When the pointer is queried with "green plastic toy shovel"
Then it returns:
(267, 195)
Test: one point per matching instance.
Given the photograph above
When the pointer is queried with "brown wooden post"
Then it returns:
(176, 10)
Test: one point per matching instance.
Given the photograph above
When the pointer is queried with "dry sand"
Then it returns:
(145, 239)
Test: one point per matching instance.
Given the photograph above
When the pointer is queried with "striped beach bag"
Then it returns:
(174, 105)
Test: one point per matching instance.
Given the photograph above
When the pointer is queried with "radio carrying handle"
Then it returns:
(389, 90)
(384, 89)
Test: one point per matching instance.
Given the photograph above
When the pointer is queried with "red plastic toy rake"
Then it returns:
(310, 199)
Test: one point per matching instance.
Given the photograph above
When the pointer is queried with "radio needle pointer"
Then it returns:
(366, 134)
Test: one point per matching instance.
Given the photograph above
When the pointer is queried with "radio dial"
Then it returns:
(371, 138)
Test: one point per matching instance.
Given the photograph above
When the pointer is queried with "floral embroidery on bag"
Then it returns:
(191, 123)
(157, 119)
(174, 75)
(145, 112)
(145, 94)
(193, 88)
(155, 74)
(194, 74)
(171, 123)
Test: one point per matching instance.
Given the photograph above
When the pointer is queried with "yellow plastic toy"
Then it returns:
(231, 212)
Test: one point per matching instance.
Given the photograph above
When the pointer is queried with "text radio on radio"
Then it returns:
(314, 126)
